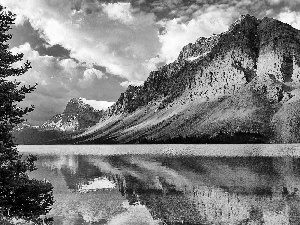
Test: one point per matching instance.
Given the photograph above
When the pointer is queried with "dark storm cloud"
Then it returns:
(100, 68)
(54, 50)
(25, 33)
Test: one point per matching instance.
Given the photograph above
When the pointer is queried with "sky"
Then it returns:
(95, 48)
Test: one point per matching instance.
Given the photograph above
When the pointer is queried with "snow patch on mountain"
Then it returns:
(132, 83)
(193, 58)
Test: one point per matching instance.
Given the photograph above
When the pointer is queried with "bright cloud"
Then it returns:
(292, 18)
(214, 19)
(119, 11)
(90, 76)
(102, 37)
(92, 73)
(68, 64)
(100, 105)
(26, 49)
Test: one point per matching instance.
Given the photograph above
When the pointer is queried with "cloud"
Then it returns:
(214, 19)
(68, 64)
(286, 2)
(119, 11)
(100, 105)
(90, 76)
(289, 17)
(101, 37)
(59, 80)
(274, 2)
(92, 73)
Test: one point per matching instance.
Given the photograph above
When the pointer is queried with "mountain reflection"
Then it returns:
(173, 189)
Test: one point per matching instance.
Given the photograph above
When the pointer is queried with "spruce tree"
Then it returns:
(20, 196)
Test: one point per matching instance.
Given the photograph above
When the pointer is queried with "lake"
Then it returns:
(171, 184)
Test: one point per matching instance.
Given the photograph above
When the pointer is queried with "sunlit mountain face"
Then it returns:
(172, 189)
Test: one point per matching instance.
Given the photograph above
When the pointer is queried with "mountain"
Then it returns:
(78, 115)
(241, 86)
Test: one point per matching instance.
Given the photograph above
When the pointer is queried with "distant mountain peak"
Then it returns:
(244, 21)
(79, 105)
(79, 114)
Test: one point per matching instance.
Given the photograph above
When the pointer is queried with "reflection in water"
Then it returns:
(160, 189)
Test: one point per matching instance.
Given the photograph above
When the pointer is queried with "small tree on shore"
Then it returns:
(20, 197)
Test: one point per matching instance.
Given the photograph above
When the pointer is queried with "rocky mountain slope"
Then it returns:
(241, 86)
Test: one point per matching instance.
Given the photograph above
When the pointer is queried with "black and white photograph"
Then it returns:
(149, 112)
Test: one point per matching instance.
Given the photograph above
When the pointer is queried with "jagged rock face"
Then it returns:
(240, 81)
(77, 106)
(229, 64)
(126, 101)
(278, 51)
(206, 69)
(76, 116)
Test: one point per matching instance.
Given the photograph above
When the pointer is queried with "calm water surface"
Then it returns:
(171, 184)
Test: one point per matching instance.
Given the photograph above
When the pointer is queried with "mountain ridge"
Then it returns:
(218, 87)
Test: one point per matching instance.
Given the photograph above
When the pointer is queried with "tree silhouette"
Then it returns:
(20, 197)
